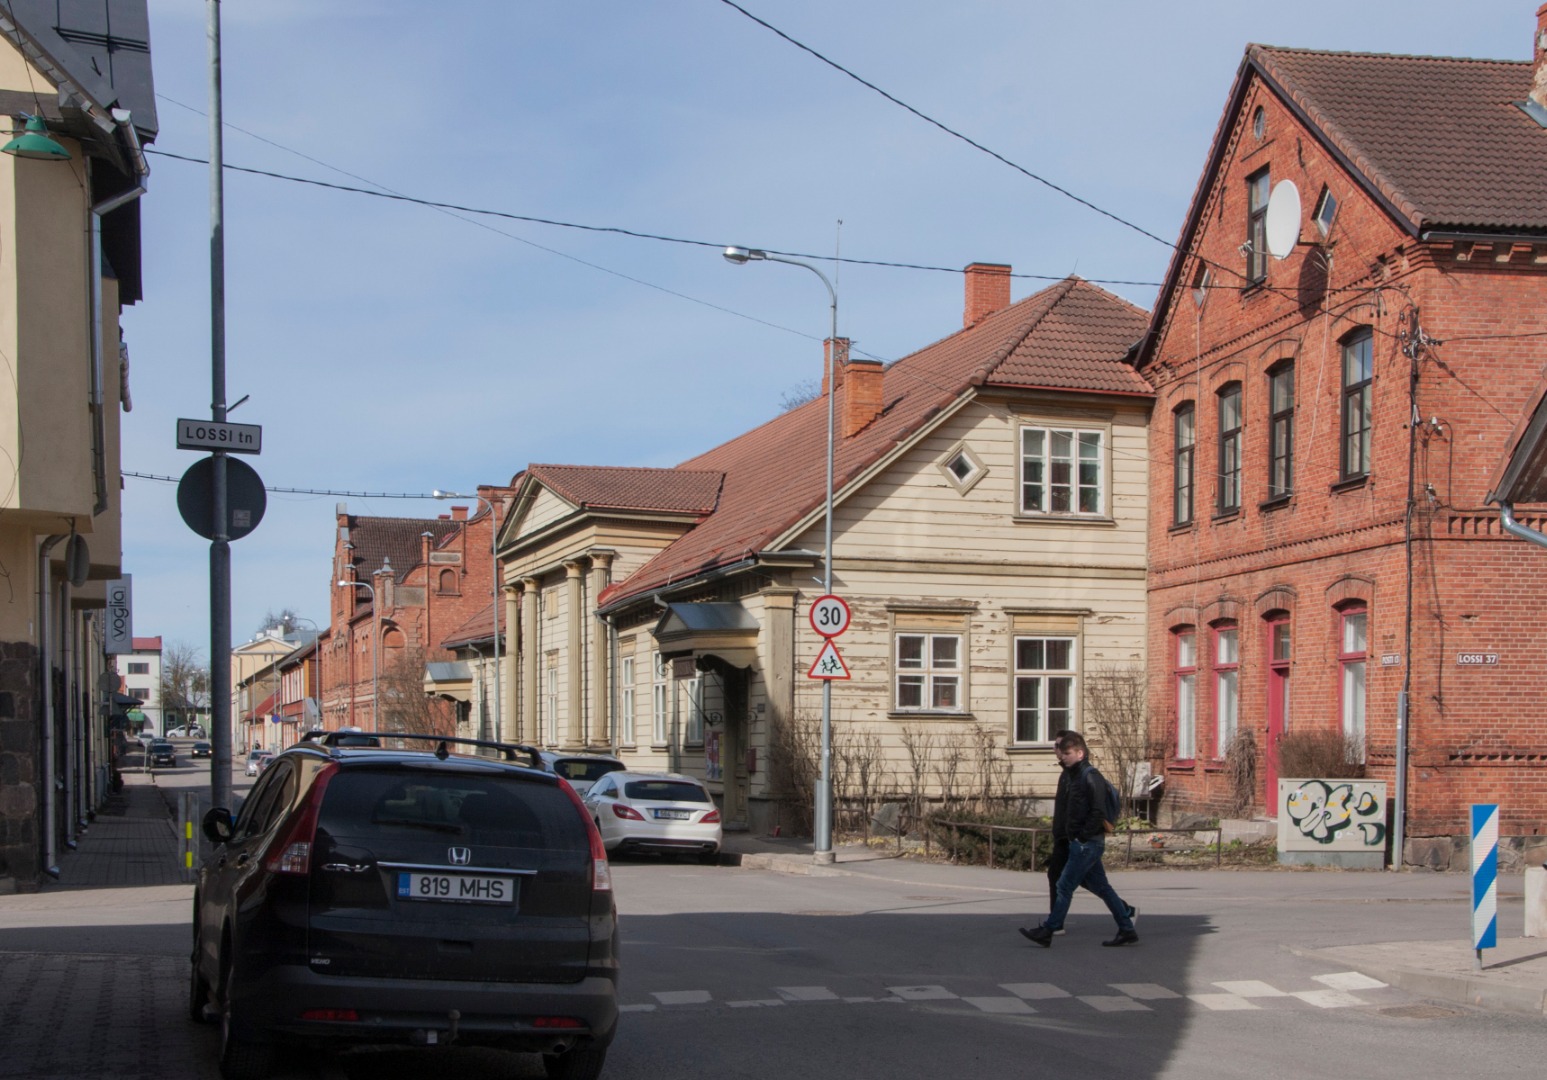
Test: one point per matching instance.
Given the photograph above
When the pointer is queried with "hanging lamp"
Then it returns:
(36, 143)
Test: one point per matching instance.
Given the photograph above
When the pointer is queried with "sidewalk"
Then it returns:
(1512, 978)
(132, 842)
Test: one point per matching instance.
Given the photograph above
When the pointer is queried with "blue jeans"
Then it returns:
(1084, 869)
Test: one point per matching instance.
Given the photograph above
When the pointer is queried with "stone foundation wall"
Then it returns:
(1453, 853)
(20, 806)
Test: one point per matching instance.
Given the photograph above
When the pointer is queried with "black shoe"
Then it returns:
(1124, 937)
(1038, 935)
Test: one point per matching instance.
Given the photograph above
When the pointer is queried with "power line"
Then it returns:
(951, 131)
(300, 491)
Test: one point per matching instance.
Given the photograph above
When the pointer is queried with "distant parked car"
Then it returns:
(581, 770)
(663, 812)
(162, 752)
(201, 749)
(257, 760)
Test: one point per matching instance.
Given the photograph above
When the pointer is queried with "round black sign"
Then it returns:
(245, 498)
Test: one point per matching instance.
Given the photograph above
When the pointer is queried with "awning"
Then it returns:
(450, 679)
(726, 631)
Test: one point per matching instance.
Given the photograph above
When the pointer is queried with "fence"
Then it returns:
(956, 826)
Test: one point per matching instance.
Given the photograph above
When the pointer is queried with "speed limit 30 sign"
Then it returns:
(829, 616)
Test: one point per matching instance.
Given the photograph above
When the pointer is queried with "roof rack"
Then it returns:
(442, 749)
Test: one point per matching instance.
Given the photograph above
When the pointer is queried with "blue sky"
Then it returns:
(390, 347)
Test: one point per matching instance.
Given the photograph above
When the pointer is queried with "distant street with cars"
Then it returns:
(887, 968)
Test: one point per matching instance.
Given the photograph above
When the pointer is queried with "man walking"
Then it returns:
(1079, 820)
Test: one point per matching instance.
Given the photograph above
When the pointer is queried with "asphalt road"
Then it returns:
(898, 970)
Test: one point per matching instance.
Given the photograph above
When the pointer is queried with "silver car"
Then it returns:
(581, 770)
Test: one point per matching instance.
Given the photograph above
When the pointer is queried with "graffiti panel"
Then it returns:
(1331, 815)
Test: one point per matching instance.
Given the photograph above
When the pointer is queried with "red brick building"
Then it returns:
(1314, 553)
(419, 579)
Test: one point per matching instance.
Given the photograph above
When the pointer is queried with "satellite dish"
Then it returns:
(77, 561)
(1283, 220)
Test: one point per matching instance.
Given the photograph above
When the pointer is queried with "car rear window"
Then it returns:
(665, 791)
(587, 769)
(505, 811)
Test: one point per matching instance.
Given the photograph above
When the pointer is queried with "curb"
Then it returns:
(781, 864)
(1475, 990)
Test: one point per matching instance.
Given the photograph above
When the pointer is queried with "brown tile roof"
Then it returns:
(376, 539)
(600, 487)
(1440, 138)
(1070, 336)
(478, 627)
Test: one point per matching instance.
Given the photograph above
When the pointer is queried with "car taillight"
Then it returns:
(556, 1022)
(628, 813)
(710, 818)
(334, 1015)
(291, 851)
(601, 873)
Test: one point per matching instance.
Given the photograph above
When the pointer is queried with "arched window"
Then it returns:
(1185, 653)
(1226, 659)
(1229, 500)
(1358, 375)
(1281, 430)
(1185, 439)
(1353, 664)
(447, 585)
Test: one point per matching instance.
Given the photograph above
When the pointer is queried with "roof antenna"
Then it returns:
(441, 751)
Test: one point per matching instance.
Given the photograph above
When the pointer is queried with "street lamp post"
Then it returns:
(494, 568)
(375, 639)
(823, 817)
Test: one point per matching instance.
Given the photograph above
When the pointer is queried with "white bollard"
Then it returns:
(1536, 901)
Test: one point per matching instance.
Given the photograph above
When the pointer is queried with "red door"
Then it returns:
(1278, 707)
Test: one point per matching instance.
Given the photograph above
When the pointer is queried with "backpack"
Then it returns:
(1111, 802)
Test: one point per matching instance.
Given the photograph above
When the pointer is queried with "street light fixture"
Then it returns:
(494, 568)
(823, 818)
(375, 639)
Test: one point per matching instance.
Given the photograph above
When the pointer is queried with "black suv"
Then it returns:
(402, 893)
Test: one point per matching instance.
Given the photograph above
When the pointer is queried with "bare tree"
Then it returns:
(404, 703)
(800, 393)
(284, 620)
(184, 682)
(862, 755)
(1116, 700)
(993, 769)
(794, 753)
(919, 742)
(950, 756)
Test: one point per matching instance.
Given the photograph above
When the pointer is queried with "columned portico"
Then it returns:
(599, 727)
(531, 600)
(572, 731)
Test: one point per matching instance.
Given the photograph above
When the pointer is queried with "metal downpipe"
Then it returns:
(46, 662)
(1514, 528)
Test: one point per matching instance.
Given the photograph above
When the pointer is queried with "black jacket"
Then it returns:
(1077, 811)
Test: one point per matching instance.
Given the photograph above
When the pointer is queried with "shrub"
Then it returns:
(1012, 850)
(1324, 753)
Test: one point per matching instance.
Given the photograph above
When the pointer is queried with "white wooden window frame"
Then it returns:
(660, 702)
(1044, 457)
(626, 701)
(1039, 681)
(929, 672)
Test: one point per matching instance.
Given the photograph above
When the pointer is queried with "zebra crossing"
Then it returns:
(1338, 990)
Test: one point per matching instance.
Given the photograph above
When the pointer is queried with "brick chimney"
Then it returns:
(861, 396)
(459, 513)
(842, 359)
(1539, 57)
(988, 290)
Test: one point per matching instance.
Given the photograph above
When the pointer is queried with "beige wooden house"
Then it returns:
(989, 536)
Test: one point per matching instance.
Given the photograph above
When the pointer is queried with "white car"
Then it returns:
(661, 812)
(258, 760)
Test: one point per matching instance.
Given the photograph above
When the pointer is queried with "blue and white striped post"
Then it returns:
(1485, 873)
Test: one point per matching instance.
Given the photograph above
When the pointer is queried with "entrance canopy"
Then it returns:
(726, 631)
(449, 679)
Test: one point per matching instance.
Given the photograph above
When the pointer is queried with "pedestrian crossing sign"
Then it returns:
(829, 665)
